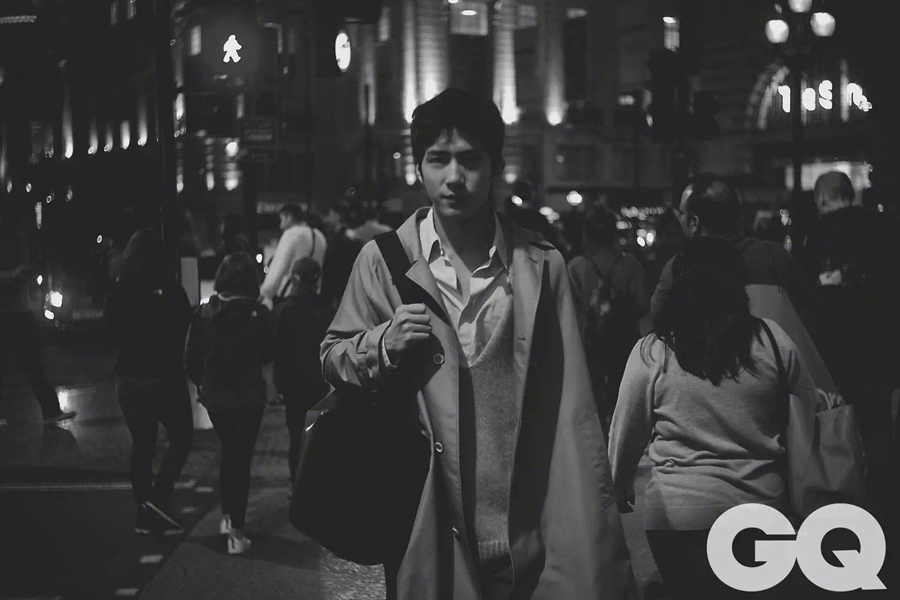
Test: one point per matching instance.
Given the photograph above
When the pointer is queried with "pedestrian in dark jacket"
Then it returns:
(301, 322)
(146, 317)
(228, 345)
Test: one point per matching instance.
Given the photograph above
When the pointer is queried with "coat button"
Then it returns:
(438, 359)
(439, 447)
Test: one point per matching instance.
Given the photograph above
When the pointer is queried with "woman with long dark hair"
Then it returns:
(703, 387)
(229, 343)
(146, 317)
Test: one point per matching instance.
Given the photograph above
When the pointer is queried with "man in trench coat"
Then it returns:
(518, 501)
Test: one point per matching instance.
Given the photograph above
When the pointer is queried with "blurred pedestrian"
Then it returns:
(852, 257)
(704, 390)
(146, 317)
(518, 493)
(229, 342)
(298, 240)
(301, 322)
(711, 208)
(18, 327)
(612, 303)
(371, 225)
(340, 255)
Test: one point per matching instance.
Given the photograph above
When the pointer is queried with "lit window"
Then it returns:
(195, 40)
(575, 13)
(671, 33)
(526, 15)
(384, 25)
(114, 12)
(469, 18)
(132, 8)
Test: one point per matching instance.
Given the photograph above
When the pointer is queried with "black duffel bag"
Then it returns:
(363, 460)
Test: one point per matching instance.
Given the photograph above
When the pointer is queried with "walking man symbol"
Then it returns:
(231, 47)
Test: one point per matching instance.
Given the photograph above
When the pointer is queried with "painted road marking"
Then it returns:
(188, 509)
(204, 489)
(126, 592)
(151, 559)
(186, 484)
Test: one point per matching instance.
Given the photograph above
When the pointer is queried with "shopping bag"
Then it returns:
(823, 447)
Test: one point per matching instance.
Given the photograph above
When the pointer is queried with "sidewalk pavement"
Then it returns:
(285, 564)
(282, 562)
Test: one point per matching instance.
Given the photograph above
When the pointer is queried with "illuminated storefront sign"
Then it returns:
(823, 97)
(830, 95)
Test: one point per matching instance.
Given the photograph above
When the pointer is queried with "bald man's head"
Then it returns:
(833, 191)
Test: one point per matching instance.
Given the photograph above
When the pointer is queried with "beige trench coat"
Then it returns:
(565, 533)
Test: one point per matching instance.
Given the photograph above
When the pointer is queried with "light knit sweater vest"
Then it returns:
(487, 403)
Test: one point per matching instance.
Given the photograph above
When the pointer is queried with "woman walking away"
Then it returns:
(146, 317)
(228, 345)
(704, 389)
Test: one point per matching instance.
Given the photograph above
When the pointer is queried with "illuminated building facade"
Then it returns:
(79, 116)
(553, 67)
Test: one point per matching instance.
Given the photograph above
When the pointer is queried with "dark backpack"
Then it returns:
(610, 328)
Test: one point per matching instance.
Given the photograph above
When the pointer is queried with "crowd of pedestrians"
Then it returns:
(540, 382)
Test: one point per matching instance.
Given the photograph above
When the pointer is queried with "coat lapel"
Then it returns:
(527, 272)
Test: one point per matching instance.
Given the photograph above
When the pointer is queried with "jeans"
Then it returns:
(19, 330)
(237, 431)
(146, 403)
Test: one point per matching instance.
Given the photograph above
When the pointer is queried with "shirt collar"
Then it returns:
(431, 242)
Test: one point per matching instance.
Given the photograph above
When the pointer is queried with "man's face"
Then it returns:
(456, 173)
(285, 220)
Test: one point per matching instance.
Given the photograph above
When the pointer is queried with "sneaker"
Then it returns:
(238, 543)
(167, 522)
(144, 522)
(225, 525)
(63, 415)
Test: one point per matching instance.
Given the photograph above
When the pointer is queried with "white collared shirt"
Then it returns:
(490, 288)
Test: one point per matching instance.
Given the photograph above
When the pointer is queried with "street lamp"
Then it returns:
(791, 32)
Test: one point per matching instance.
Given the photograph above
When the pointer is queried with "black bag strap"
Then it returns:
(783, 384)
(398, 264)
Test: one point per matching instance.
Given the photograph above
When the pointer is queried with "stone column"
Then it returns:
(550, 59)
(434, 48)
(505, 61)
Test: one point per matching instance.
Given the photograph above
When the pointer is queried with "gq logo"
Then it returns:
(859, 570)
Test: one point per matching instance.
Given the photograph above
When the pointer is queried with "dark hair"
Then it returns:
(468, 113)
(294, 210)
(307, 272)
(716, 204)
(705, 319)
(237, 276)
(142, 259)
(600, 225)
(835, 184)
